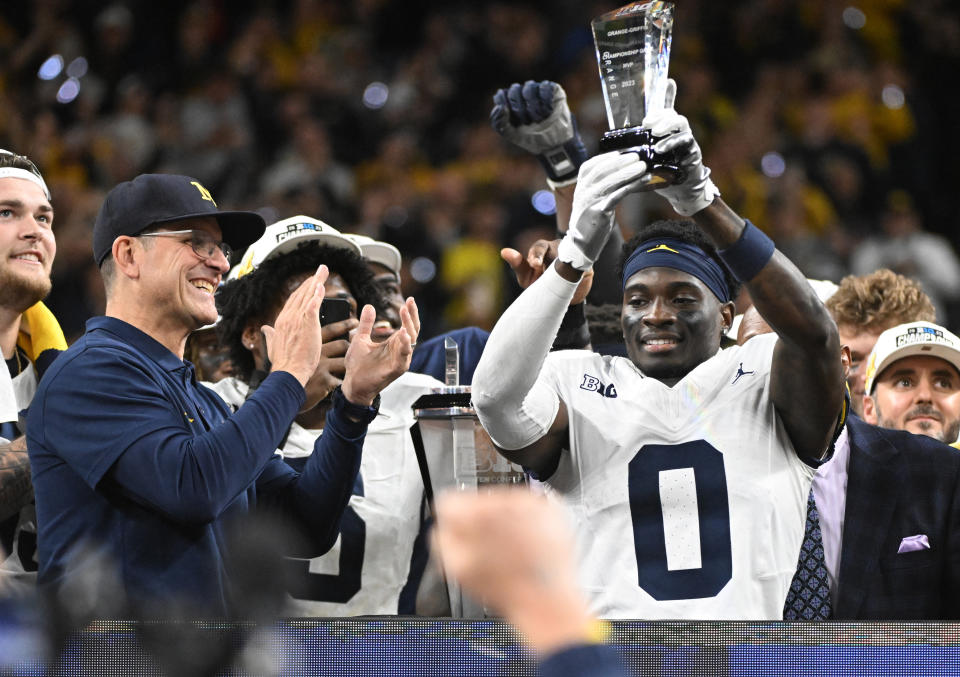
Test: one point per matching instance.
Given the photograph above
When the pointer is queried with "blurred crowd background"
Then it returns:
(830, 124)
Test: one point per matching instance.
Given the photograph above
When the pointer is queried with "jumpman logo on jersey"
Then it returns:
(741, 372)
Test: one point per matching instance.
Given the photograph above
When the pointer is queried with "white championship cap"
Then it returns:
(377, 251)
(285, 236)
(906, 340)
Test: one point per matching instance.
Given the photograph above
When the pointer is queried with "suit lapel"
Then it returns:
(872, 494)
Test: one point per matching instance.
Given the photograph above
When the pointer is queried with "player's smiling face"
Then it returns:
(671, 322)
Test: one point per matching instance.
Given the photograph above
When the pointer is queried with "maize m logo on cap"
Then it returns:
(922, 335)
(204, 193)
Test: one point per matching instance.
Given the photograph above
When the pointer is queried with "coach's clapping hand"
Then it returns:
(294, 341)
(372, 366)
(332, 366)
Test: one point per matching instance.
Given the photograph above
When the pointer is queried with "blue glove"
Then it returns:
(535, 116)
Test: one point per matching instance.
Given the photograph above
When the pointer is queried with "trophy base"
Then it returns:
(665, 167)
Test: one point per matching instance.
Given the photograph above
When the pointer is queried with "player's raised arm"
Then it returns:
(524, 418)
(535, 116)
(806, 368)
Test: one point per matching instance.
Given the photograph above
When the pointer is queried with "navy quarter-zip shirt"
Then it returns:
(134, 461)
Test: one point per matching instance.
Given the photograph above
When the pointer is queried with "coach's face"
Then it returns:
(27, 246)
(920, 394)
(179, 281)
(671, 322)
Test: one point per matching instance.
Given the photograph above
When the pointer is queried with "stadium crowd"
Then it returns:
(822, 123)
(823, 126)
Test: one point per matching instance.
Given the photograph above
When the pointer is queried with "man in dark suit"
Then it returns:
(889, 500)
(900, 553)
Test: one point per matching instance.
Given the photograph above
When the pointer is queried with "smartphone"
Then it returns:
(334, 310)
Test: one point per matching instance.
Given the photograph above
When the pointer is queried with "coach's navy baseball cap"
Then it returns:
(154, 199)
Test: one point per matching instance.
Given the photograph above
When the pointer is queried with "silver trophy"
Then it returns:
(633, 53)
(455, 452)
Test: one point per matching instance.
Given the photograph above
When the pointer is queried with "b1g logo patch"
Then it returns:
(594, 384)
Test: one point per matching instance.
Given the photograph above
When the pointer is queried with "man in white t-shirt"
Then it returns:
(686, 471)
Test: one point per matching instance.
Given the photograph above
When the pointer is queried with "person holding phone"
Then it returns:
(335, 310)
(367, 571)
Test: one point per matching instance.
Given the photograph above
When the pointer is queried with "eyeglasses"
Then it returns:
(203, 243)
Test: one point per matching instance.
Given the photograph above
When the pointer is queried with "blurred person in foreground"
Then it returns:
(367, 571)
(140, 471)
(515, 551)
(30, 339)
(710, 476)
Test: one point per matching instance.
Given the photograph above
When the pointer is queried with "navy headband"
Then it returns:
(670, 253)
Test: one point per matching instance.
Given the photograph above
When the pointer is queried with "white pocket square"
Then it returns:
(913, 543)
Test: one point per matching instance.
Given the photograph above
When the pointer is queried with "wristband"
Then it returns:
(356, 412)
(749, 254)
(562, 184)
(562, 163)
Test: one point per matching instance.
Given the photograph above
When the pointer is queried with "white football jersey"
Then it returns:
(688, 502)
(368, 566)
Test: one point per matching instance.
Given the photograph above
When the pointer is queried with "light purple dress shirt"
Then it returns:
(830, 493)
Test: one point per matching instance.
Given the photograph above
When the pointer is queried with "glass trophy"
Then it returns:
(633, 53)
